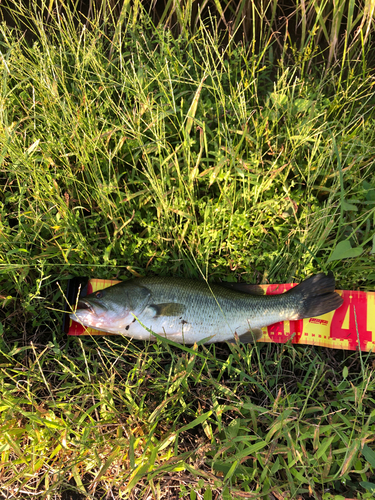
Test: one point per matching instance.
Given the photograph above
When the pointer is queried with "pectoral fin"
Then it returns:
(166, 309)
(249, 337)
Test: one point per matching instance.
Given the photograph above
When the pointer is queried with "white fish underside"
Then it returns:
(219, 329)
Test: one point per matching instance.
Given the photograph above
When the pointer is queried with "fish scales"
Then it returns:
(188, 311)
(213, 310)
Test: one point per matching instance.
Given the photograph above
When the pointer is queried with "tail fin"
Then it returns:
(316, 296)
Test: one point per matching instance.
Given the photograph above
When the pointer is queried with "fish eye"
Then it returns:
(99, 295)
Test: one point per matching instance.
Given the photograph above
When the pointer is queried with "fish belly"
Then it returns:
(185, 331)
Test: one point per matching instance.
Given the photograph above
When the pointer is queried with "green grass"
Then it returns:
(130, 152)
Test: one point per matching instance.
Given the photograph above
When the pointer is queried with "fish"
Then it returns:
(187, 311)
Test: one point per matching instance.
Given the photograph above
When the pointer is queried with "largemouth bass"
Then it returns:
(187, 311)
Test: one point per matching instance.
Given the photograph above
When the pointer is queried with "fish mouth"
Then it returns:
(83, 305)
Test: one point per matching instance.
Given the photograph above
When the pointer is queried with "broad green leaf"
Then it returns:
(279, 99)
(369, 455)
(302, 105)
(298, 475)
(324, 446)
(207, 494)
(227, 494)
(350, 457)
(77, 478)
(349, 206)
(17, 250)
(231, 471)
(344, 250)
(370, 191)
(196, 422)
(170, 439)
(368, 486)
(250, 450)
(136, 475)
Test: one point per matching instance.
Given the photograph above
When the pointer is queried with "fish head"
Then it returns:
(112, 309)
